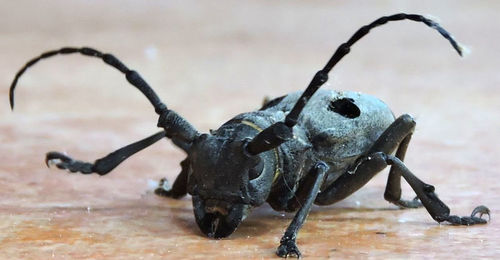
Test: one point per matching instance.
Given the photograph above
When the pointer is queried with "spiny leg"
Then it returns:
(179, 189)
(104, 165)
(288, 246)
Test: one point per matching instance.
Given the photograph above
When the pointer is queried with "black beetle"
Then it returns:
(298, 149)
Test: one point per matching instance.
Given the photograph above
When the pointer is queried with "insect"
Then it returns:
(315, 146)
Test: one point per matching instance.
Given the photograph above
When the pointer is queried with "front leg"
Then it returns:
(103, 165)
(288, 246)
(179, 189)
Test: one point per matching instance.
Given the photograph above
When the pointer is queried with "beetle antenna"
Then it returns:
(280, 132)
(173, 123)
(322, 76)
(132, 76)
(344, 48)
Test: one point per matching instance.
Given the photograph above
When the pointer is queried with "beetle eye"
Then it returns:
(256, 170)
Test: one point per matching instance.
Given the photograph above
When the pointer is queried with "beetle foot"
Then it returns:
(288, 248)
(164, 189)
(472, 220)
(65, 162)
(481, 210)
(409, 204)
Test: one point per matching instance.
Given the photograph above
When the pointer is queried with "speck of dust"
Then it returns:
(152, 184)
(151, 52)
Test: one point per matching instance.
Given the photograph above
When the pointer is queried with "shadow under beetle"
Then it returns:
(299, 149)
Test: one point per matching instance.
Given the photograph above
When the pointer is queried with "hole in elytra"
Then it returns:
(345, 107)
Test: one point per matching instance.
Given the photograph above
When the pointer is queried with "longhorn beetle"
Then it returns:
(299, 149)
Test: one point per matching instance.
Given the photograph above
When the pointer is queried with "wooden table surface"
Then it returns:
(210, 61)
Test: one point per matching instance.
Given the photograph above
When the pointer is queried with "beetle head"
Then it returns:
(225, 182)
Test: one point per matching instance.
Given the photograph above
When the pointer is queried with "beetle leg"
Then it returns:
(268, 102)
(288, 246)
(436, 208)
(103, 165)
(393, 189)
(179, 189)
(398, 134)
(265, 101)
(375, 163)
(302, 193)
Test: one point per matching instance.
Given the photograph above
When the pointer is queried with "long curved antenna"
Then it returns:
(174, 124)
(280, 132)
(132, 76)
(322, 76)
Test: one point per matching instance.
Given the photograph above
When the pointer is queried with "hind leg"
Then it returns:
(425, 192)
(377, 159)
(393, 189)
(397, 136)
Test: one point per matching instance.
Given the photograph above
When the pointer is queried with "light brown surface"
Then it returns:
(210, 61)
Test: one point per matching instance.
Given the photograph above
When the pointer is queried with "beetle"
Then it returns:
(315, 146)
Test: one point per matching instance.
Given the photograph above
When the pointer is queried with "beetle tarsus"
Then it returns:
(163, 189)
(179, 188)
(408, 204)
(481, 210)
(436, 208)
(103, 165)
(288, 248)
(472, 220)
(65, 162)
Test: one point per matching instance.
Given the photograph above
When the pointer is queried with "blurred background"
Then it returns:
(210, 60)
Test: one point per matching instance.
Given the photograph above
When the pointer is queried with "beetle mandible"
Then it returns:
(315, 146)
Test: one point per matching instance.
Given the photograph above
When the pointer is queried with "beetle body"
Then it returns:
(336, 136)
(315, 146)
